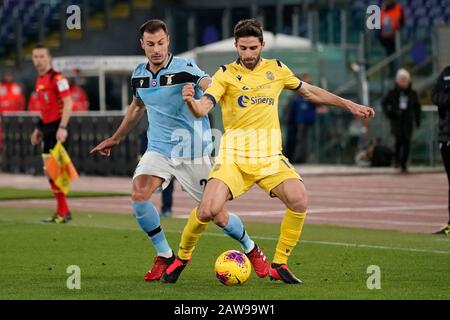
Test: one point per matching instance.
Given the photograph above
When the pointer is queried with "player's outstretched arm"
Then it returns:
(134, 113)
(320, 96)
(199, 108)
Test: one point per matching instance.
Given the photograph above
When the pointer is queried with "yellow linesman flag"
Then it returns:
(60, 168)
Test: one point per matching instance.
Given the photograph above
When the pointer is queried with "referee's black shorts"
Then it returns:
(49, 135)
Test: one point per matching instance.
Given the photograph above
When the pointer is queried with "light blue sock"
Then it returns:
(148, 219)
(235, 229)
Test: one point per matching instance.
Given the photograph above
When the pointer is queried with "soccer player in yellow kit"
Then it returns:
(250, 149)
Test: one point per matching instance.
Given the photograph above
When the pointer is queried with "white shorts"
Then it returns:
(192, 174)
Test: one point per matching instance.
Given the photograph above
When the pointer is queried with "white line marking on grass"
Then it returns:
(340, 244)
(211, 234)
(363, 209)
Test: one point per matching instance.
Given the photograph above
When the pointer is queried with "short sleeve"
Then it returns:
(217, 87)
(62, 86)
(134, 88)
(198, 74)
(290, 80)
(136, 82)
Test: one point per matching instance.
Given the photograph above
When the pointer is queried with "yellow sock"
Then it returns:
(291, 229)
(191, 233)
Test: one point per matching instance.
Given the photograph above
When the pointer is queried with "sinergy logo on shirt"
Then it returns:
(245, 101)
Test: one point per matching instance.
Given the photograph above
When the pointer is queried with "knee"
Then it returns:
(207, 212)
(298, 204)
(140, 195)
(221, 219)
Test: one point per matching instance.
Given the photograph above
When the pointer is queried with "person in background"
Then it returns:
(392, 20)
(55, 104)
(441, 97)
(11, 94)
(11, 98)
(79, 97)
(402, 107)
(301, 115)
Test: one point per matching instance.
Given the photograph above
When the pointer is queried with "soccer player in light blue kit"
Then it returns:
(179, 145)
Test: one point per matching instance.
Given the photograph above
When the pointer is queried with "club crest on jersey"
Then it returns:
(239, 77)
(154, 83)
(169, 79)
(269, 75)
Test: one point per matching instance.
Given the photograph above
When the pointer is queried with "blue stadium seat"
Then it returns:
(420, 12)
(447, 11)
(435, 12)
(423, 22)
(416, 4)
(432, 4)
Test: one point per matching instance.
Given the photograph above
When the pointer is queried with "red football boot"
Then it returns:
(259, 262)
(160, 264)
(173, 272)
(282, 273)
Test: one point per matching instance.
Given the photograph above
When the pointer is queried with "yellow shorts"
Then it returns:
(240, 176)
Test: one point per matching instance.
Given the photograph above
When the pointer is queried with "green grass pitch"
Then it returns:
(7, 193)
(113, 255)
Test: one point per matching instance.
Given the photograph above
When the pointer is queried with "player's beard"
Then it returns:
(251, 64)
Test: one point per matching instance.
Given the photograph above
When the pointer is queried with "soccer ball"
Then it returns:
(232, 267)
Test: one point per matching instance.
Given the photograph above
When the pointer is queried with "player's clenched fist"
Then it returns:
(360, 110)
(188, 92)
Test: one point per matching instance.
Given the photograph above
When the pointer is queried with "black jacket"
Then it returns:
(441, 97)
(402, 120)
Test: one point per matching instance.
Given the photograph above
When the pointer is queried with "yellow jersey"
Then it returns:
(249, 102)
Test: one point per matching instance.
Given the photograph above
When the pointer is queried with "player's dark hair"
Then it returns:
(248, 28)
(153, 26)
(41, 46)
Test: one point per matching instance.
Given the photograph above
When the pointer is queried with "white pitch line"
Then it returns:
(339, 244)
(211, 234)
(363, 209)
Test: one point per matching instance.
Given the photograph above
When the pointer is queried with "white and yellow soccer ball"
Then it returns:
(232, 268)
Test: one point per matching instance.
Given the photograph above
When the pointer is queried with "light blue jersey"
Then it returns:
(173, 130)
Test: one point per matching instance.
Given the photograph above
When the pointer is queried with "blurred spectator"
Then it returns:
(441, 97)
(300, 117)
(375, 155)
(392, 20)
(79, 98)
(11, 98)
(356, 133)
(33, 102)
(402, 107)
(11, 94)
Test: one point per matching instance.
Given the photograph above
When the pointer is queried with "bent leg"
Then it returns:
(214, 197)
